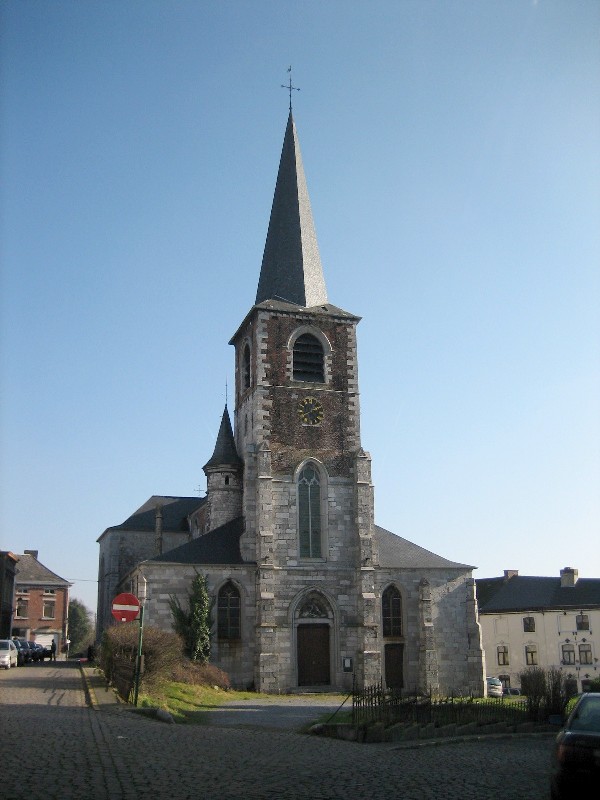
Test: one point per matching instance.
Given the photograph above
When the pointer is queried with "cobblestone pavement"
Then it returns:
(53, 746)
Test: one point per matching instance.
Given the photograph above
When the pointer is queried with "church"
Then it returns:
(309, 593)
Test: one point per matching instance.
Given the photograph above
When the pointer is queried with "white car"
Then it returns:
(494, 687)
(8, 654)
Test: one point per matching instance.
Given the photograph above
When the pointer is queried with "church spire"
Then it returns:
(291, 266)
(225, 453)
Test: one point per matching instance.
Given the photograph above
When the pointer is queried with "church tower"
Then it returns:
(309, 593)
(308, 498)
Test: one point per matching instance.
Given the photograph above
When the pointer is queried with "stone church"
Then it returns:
(308, 592)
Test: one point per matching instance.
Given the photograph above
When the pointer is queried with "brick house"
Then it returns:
(309, 592)
(41, 603)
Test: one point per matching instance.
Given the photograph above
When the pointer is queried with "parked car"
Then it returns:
(509, 690)
(8, 654)
(47, 651)
(494, 687)
(576, 754)
(23, 653)
(37, 651)
(27, 649)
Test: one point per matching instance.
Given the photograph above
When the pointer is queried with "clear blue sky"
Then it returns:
(452, 152)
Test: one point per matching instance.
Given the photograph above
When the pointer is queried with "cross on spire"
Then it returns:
(289, 87)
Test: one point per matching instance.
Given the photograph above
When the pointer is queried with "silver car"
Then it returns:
(8, 654)
(494, 687)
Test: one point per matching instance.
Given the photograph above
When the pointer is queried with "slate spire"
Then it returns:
(225, 453)
(291, 266)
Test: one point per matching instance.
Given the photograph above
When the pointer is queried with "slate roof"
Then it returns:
(527, 593)
(30, 572)
(225, 453)
(394, 551)
(175, 511)
(220, 546)
(291, 266)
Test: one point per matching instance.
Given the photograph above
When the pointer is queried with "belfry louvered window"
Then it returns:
(391, 612)
(228, 612)
(308, 359)
(309, 512)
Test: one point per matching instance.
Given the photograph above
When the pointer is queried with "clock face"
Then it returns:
(310, 411)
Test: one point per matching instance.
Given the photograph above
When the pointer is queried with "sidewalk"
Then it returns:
(98, 692)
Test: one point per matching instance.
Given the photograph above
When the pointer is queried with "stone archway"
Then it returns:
(313, 623)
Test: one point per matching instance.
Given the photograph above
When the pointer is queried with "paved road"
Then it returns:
(53, 746)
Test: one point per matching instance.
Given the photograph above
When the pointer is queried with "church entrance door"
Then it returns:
(394, 677)
(313, 655)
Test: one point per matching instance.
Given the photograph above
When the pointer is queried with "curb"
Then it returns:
(416, 745)
(90, 695)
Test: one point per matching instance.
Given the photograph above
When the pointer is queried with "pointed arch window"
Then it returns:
(391, 608)
(309, 512)
(246, 367)
(308, 359)
(229, 612)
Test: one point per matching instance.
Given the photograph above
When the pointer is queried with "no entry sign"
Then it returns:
(125, 607)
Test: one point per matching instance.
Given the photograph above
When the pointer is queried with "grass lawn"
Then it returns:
(191, 704)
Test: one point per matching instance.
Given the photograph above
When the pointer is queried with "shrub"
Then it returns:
(546, 690)
(194, 624)
(163, 657)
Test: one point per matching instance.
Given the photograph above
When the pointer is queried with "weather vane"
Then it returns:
(289, 87)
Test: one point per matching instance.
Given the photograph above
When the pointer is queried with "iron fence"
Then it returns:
(377, 704)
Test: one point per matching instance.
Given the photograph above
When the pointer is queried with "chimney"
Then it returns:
(510, 573)
(158, 530)
(33, 553)
(568, 577)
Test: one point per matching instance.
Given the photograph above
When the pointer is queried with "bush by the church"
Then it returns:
(163, 653)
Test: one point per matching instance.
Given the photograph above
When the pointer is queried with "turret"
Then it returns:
(224, 478)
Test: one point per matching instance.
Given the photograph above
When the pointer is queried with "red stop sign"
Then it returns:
(125, 607)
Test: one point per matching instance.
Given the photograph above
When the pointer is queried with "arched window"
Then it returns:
(309, 512)
(391, 610)
(308, 359)
(228, 612)
(246, 367)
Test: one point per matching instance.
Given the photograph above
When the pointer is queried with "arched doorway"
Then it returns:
(313, 622)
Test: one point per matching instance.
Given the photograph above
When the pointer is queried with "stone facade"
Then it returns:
(322, 597)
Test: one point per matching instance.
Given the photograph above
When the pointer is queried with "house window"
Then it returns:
(22, 589)
(228, 612)
(391, 608)
(585, 653)
(309, 512)
(308, 359)
(531, 655)
(22, 610)
(583, 622)
(49, 591)
(246, 367)
(529, 624)
(48, 609)
(502, 651)
(568, 653)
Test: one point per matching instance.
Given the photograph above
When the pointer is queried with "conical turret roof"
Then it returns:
(225, 452)
(291, 266)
